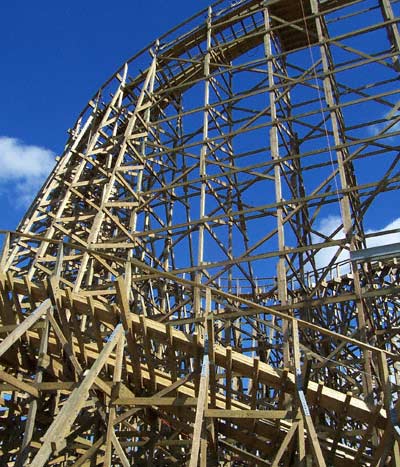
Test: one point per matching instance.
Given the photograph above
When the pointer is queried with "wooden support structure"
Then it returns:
(191, 285)
(54, 438)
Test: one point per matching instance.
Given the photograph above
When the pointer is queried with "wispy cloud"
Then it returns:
(23, 168)
(374, 130)
(389, 137)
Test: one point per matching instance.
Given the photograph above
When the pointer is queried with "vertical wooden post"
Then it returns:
(139, 181)
(116, 382)
(336, 118)
(301, 394)
(274, 143)
(390, 410)
(209, 324)
(204, 147)
(199, 420)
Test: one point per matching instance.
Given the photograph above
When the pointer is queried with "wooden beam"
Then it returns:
(19, 385)
(55, 435)
(24, 326)
(157, 401)
(243, 455)
(111, 417)
(285, 443)
(33, 406)
(200, 408)
(127, 319)
(254, 414)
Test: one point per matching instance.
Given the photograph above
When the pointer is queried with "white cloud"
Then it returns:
(329, 224)
(326, 227)
(24, 166)
(385, 239)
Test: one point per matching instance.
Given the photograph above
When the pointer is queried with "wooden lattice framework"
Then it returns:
(175, 294)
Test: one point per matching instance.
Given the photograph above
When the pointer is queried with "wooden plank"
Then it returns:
(95, 323)
(211, 344)
(171, 354)
(157, 401)
(66, 345)
(24, 326)
(285, 443)
(127, 319)
(313, 438)
(254, 387)
(19, 385)
(169, 388)
(243, 455)
(311, 433)
(56, 386)
(147, 350)
(198, 424)
(103, 386)
(386, 444)
(8, 328)
(33, 406)
(120, 452)
(301, 450)
(388, 404)
(339, 429)
(228, 376)
(254, 414)
(90, 452)
(55, 435)
(367, 433)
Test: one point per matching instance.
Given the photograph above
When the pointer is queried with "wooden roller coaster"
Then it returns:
(198, 281)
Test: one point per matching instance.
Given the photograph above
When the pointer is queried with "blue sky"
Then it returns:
(54, 56)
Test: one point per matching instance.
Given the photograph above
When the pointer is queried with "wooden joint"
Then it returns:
(44, 361)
